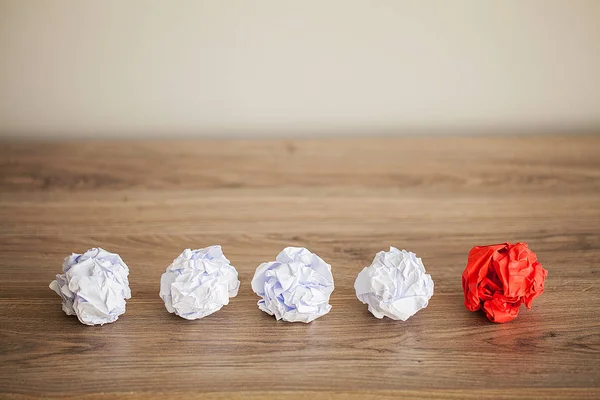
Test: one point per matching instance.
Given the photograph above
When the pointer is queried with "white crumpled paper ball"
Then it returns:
(395, 285)
(296, 287)
(198, 283)
(94, 286)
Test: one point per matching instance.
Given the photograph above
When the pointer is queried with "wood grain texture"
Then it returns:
(344, 200)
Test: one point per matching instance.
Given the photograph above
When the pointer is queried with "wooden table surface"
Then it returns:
(342, 199)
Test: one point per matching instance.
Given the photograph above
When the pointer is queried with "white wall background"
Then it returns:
(277, 67)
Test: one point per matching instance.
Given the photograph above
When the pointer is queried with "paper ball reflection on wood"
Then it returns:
(294, 288)
(395, 285)
(93, 286)
(501, 277)
(198, 283)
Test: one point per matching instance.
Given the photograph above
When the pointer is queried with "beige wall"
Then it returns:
(133, 67)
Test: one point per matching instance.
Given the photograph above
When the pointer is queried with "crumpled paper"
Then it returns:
(296, 287)
(198, 283)
(501, 277)
(395, 285)
(93, 287)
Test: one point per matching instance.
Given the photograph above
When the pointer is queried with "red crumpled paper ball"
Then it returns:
(500, 278)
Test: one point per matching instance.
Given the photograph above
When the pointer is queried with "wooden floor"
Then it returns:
(344, 200)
